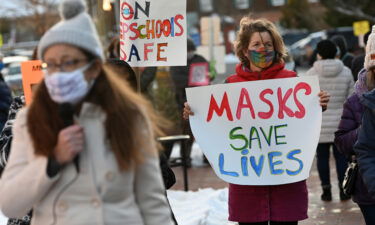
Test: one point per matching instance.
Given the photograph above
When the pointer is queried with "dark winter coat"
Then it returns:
(345, 138)
(357, 65)
(347, 134)
(287, 202)
(5, 144)
(6, 134)
(347, 59)
(180, 77)
(365, 146)
(180, 74)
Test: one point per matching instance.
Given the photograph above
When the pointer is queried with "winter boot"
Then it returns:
(327, 194)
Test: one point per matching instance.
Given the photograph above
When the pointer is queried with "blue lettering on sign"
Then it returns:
(274, 171)
(257, 167)
(290, 156)
(134, 51)
(172, 26)
(221, 166)
(245, 172)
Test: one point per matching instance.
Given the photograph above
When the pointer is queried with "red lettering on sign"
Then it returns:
(213, 107)
(266, 115)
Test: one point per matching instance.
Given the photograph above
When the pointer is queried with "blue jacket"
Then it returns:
(365, 146)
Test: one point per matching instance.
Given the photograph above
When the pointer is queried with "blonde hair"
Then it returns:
(248, 27)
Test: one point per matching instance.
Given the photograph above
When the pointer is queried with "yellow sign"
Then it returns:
(1, 40)
(31, 75)
(361, 27)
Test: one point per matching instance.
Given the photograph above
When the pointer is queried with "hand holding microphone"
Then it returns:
(70, 140)
(69, 144)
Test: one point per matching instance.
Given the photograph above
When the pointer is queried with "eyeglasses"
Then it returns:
(66, 66)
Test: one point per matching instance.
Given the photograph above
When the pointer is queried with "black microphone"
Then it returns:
(66, 112)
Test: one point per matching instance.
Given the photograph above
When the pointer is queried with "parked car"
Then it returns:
(289, 61)
(303, 49)
(290, 37)
(13, 76)
(12, 59)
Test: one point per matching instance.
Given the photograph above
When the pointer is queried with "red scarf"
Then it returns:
(272, 72)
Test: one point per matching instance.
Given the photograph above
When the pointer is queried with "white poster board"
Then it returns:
(153, 33)
(259, 132)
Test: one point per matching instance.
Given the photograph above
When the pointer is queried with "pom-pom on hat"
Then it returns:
(326, 49)
(370, 50)
(75, 28)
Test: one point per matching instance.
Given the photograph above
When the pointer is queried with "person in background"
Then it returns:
(344, 55)
(260, 49)
(83, 108)
(180, 77)
(337, 80)
(148, 74)
(359, 60)
(6, 137)
(5, 97)
(347, 134)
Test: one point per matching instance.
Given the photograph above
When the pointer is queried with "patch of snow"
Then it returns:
(203, 207)
(3, 219)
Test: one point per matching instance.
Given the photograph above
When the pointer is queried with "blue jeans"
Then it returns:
(368, 212)
(322, 153)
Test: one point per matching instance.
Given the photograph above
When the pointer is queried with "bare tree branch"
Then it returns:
(355, 8)
(357, 12)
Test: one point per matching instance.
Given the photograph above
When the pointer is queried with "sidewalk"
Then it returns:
(335, 212)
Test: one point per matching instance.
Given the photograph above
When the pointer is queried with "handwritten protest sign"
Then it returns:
(31, 75)
(258, 132)
(153, 33)
(198, 74)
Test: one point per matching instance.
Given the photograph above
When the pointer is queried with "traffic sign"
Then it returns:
(361, 27)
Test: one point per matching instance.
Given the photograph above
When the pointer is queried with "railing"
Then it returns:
(183, 159)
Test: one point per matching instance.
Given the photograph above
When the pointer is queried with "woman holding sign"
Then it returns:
(260, 49)
(84, 151)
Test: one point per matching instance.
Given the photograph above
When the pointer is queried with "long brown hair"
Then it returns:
(248, 27)
(131, 124)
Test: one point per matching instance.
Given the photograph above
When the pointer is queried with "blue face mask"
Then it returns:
(1, 66)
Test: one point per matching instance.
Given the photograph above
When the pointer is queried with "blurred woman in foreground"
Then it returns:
(84, 151)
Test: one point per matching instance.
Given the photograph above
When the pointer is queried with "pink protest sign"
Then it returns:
(198, 74)
(153, 33)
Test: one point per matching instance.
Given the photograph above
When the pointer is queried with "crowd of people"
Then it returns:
(85, 150)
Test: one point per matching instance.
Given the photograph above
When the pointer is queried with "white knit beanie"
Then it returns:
(370, 50)
(75, 28)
